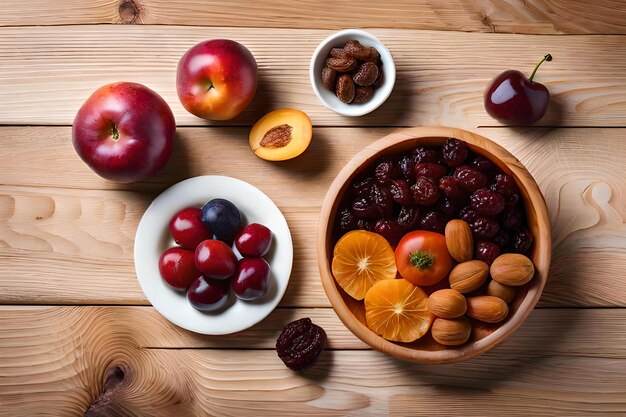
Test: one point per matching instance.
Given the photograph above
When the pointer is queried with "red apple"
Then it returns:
(216, 79)
(124, 132)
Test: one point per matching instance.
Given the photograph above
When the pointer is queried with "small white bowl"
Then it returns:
(153, 237)
(328, 97)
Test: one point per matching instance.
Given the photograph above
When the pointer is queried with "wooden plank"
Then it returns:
(533, 17)
(68, 233)
(48, 72)
(64, 361)
(597, 333)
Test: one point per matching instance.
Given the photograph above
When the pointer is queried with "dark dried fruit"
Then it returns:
(511, 218)
(329, 78)
(358, 51)
(345, 89)
(487, 202)
(401, 193)
(300, 344)
(339, 53)
(434, 221)
(362, 187)
(381, 78)
(390, 230)
(484, 227)
(502, 238)
(468, 214)
(453, 190)
(448, 207)
(409, 218)
(347, 221)
(522, 241)
(505, 185)
(454, 152)
(469, 178)
(366, 74)
(407, 168)
(486, 251)
(425, 191)
(484, 165)
(365, 209)
(362, 94)
(342, 64)
(385, 171)
(431, 170)
(364, 225)
(380, 196)
(427, 154)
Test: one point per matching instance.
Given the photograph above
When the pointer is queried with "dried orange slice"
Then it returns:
(361, 259)
(397, 310)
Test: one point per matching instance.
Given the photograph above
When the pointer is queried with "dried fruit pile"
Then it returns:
(353, 72)
(444, 219)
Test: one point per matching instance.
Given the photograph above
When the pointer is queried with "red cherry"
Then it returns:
(187, 228)
(254, 240)
(208, 294)
(251, 280)
(215, 259)
(177, 267)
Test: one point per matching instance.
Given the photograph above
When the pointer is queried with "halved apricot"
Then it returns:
(281, 134)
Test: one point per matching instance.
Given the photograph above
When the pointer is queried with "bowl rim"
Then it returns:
(388, 82)
(541, 256)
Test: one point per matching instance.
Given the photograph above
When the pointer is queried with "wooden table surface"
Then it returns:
(77, 335)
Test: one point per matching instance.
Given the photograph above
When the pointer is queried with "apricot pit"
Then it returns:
(281, 135)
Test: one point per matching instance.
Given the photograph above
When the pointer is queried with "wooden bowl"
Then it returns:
(484, 336)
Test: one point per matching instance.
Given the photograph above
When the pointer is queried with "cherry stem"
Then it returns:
(115, 133)
(547, 57)
(421, 260)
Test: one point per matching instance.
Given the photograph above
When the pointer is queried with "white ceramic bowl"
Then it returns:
(153, 237)
(328, 97)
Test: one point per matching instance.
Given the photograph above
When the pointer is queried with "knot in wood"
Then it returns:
(129, 11)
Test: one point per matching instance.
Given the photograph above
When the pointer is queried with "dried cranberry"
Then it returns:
(425, 191)
(487, 202)
(502, 238)
(361, 188)
(468, 214)
(511, 218)
(300, 344)
(390, 230)
(347, 221)
(430, 170)
(364, 225)
(364, 209)
(407, 168)
(409, 218)
(401, 193)
(385, 171)
(448, 206)
(451, 188)
(381, 197)
(434, 221)
(522, 241)
(486, 251)
(505, 185)
(454, 152)
(484, 227)
(469, 178)
(484, 165)
(427, 154)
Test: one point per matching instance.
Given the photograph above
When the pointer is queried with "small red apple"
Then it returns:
(216, 79)
(124, 132)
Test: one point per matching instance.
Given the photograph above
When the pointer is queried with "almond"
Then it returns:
(503, 292)
(487, 308)
(468, 276)
(459, 240)
(452, 332)
(512, 269)
(448, 304)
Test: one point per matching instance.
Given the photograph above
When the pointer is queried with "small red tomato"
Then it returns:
(254, 240)
(177, 267)
(215, 259)
(187, 228)
(422, 257)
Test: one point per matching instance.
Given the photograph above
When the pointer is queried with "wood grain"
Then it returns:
(48, 72)
(69, 360)
(533, 17)
(77, 229)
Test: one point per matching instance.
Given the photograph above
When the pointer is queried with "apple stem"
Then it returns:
(547, 57)
(209, 86)
(115, 133)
